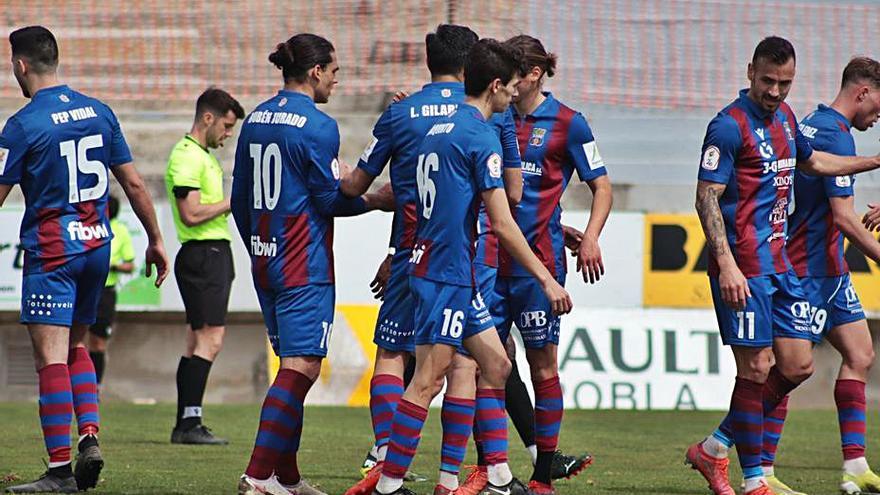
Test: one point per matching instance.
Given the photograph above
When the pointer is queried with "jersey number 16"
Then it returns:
(427, 189)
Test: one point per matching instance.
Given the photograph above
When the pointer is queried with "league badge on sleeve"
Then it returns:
(839, 181)
(494, 164)
(4, 154)
(334, 167)
(711, 157)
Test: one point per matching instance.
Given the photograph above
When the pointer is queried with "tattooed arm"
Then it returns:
(734, 286)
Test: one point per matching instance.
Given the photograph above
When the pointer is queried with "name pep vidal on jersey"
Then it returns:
(75, 115)
(432, 110)
(281, 118)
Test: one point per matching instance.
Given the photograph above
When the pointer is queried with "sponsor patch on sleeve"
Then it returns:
(711, 157)
(4, 154)
(843, 181)
(365, 156)
(494, 164)
(594, 159)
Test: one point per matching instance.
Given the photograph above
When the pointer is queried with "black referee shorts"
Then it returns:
(106, 313)
(204, 272)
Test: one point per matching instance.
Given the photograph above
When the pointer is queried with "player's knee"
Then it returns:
(497, 372)
(859, 359)
(799, 370)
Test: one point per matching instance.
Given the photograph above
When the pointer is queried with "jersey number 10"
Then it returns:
(267, 173)
(76, 154)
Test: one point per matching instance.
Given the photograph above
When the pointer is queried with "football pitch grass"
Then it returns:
(635, 452)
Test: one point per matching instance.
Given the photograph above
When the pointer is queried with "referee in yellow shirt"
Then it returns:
(203, 267)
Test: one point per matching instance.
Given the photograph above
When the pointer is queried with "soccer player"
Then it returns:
(285, 193)
(744, 193)
(824, 213)
(121, 261)
(203, 266)
(460, 158)
(58, 148)
(554, 142)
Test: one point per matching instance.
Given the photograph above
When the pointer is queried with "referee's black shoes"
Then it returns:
(197, 435)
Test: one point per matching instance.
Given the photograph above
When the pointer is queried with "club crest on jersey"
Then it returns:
(494, 164)
(787, 131)
(446, 92)
(64, 98)
(537, 138)
(711, 157)
(282, 102)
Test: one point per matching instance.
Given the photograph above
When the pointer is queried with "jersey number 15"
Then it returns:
(76, 154)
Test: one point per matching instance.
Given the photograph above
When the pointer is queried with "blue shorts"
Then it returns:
(521, 301)
(446, 313)
(68, 294)
(299, 320)
(834, 302)
(394, 326)
(777, 308)
(486, 277)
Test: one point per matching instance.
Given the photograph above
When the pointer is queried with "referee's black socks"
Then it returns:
(192, 389)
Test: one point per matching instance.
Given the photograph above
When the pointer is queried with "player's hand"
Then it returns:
(155, 255)
(572, 238)
(871, 220)
(560, 301)
(589, 260)
(344, 169)
(399, 96)
(383, 199)
(380, 281)
(734, 287)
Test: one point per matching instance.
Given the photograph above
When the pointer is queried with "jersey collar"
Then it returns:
(444, 85)
(295, 94)
(51, 90)
(545, 108)
(465, 107)
(196, 142)
(834, 113)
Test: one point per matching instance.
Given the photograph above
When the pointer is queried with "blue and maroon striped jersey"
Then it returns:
(554, 141)
(285, 191)
(487, 241)
(459, 158)
(815, 244)
(59, 148)
(754, 153)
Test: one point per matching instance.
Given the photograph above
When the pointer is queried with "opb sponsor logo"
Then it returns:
(533, 319)
(81, 232)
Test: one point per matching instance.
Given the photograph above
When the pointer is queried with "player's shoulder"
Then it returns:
(727, 122)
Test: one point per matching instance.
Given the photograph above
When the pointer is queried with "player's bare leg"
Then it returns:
(853, 341)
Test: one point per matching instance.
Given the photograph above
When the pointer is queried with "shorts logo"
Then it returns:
(801, 310)
(494, 164)
(530, 319)
(852, 297)
(711, 157)
(537, 138)
(43, 304)
(843, 181)
(80, 232)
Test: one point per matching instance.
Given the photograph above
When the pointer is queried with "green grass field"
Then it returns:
(636, 452)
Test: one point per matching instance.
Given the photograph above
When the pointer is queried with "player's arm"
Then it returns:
(513, 241)
(242, 188)
(845, 218)
(372, 160)
(139, 198)
(589, 260)
(583, 152)
(816, 162)
(13, 150)
(513, 180)
(720, 149)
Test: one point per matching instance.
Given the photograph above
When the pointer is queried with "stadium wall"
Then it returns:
(644, 337)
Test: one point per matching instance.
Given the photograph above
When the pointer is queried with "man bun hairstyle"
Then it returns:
(488, 60)
(535, 54)
(37, 45)
(447, 48)
(775, 50)
(219, 103)
(861, 70)
(296, 56)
